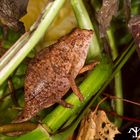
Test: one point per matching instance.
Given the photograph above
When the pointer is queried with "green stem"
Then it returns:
(118, 79)
(10, 61)
(118, 93)
(119, 59)
(84, 22)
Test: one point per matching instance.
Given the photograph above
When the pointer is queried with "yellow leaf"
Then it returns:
(63, 23)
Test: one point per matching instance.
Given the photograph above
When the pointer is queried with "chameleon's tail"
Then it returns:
(22, 117)
(26, 115)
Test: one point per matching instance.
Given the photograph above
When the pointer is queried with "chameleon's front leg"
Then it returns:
(88, 67)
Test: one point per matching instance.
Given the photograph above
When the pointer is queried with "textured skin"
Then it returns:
(47, 76)
(10, 13)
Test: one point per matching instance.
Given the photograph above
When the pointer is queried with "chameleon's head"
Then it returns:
(83, 33)
(80, 38)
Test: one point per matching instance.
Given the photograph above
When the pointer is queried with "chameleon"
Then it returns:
(53, 71)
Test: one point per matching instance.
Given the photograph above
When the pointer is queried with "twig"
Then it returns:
(125, 100)
(17, 127)
(2, 98)
(123, 117)
(100, 102)
(8, 94)
(12, 91)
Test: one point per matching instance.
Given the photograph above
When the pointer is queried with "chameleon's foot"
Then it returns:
(88, 67)
(64, 103)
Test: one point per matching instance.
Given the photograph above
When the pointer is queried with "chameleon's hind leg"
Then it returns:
(73, 85)
(75, 88)
(64, 103)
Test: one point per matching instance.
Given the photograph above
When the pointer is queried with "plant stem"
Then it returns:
(119, 59)
(84, 22)
(13, 57)
(118, 79)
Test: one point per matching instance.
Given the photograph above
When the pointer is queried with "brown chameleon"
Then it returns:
(10, 13)
(53, 71)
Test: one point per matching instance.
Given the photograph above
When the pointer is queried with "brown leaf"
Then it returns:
(108, 10)
(97, 126)
(138, 138)
(134, 26)
(11, 11)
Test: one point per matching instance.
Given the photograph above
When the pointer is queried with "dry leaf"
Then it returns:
(134, 26)
(96, 126)
(108, 10)
(10, 13)
(138, 138)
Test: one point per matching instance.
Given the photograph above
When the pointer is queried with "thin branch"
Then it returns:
(125, 100)
(123, 117)
(17, 127)
(13, 92)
